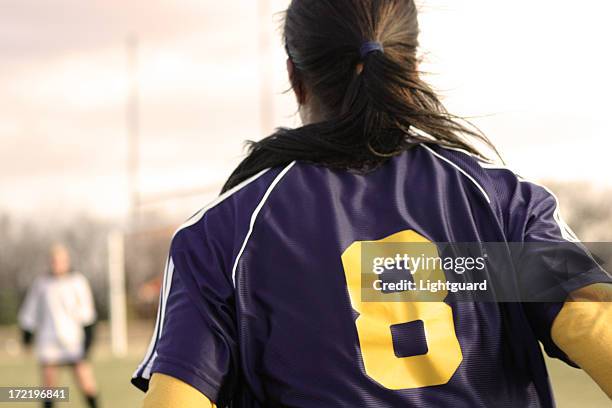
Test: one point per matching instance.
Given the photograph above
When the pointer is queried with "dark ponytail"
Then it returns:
(374, 103)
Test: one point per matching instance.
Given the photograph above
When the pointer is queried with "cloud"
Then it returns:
(64, 79)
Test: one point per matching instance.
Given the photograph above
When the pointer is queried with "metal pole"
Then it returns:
(133, 129)
(266, 101)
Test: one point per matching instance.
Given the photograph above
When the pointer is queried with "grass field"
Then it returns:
(113, 380)
(113, 374)
(572, 387)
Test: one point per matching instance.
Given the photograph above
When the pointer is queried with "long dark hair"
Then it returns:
(375, 104)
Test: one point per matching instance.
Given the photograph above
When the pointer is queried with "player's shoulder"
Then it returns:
(512, 197)
(232, 212)
(504, 182)
(495, 180)
(78, 278)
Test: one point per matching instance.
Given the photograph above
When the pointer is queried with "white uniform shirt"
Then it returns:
(56, 309)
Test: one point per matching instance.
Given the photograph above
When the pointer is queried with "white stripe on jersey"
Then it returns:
(198, 216)
(255, 214)
(147, 363)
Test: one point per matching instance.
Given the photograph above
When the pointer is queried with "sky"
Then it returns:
(534, 76)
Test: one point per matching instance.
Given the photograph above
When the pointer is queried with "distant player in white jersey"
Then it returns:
(58, 314)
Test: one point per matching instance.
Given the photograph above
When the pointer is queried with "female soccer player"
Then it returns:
(58, 314)
(261, 304)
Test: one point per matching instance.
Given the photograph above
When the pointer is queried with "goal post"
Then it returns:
(116, 293)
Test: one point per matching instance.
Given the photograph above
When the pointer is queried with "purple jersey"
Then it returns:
(256, 309)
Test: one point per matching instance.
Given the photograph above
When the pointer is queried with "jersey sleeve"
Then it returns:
(553, 263)
(87, 310)
(29, 311)
(195, 340)
(196, 334)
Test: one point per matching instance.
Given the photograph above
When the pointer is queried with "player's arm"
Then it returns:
(28, 314)
(570, 292)
(196, 341)
(583, 330)
(89, 336)
(165, 392)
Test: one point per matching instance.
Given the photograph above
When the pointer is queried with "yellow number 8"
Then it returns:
(375, 319)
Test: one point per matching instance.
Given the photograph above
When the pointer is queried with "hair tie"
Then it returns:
(370, 46)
